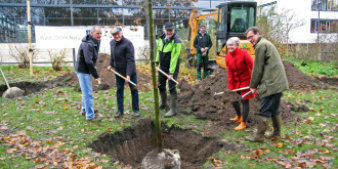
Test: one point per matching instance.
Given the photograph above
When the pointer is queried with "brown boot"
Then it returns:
(261, 128)
(277, 125)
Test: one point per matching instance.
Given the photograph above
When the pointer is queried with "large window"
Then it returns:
(324, 5)
(324, 26)
(241, 19)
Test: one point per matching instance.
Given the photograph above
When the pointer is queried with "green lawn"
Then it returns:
(51, 119)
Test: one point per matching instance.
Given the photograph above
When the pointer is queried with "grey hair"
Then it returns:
(95, 28)
(234, 40)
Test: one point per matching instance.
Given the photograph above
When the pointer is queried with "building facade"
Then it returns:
(319, 18)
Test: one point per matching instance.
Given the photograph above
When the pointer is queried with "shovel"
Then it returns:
(118, 74)
(249, 92)
(3, 75)
(11, 92)
(235, 90)
(167, 75)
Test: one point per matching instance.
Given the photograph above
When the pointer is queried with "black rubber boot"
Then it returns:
(277, 125)
(261, 128)
(164, 104)
(173, 104)
(118, 115)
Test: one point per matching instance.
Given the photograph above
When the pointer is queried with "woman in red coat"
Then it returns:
(239, 65)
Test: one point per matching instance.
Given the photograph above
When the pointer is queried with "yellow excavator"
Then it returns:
(233, 18)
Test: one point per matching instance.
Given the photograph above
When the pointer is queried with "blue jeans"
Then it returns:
(85, 81)
(120, 93)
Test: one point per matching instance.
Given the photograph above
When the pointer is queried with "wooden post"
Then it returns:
(29, 28)
(153, 72)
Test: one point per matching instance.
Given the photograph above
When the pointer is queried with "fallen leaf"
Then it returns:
(259, 151)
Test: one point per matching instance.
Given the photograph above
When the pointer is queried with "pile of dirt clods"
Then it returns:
(200, 101)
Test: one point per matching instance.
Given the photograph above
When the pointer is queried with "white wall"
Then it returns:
(55, 39)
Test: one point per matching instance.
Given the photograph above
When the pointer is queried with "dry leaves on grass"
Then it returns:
(45, 155)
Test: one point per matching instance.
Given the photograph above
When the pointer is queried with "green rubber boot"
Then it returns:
(261, 128)
(164, 104)
(173, 104)
(277, 125)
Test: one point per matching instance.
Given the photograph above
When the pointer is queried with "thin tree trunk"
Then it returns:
(29, 28)
(153, 72)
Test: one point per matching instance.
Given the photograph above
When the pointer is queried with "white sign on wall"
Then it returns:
(58, 37)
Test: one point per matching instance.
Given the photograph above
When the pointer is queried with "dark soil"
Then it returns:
(328, 80)
(133, 143)
(299, 81)
(200, 101)
(71, 80)
(108, 78)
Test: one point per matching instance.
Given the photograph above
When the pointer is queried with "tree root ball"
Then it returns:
(13, 92)
(167, 159)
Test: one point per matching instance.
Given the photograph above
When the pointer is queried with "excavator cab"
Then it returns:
(234, 18)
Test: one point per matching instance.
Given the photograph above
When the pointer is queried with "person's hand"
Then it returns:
(109, 67)
(206, 48)
(128, 78)
(253, 90)
(170, 77)
(98, 80)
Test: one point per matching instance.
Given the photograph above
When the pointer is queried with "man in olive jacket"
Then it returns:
(202, 43)
(269, 79)
(168, 56)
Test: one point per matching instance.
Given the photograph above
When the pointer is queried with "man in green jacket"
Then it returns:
(168, 56)
(269, 79)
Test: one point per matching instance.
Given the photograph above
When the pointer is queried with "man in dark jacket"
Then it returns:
(122, 59)
(168, 56)
(269, 79)
(202, 43)
(85, 68)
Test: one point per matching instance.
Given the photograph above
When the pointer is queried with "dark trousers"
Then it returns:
(162, 79)
(120, 93)
(245, 109)
(270, 105)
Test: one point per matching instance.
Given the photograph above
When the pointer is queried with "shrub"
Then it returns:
(57, 59)
(20, 54)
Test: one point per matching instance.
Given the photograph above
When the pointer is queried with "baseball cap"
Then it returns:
(169, 26)
(116, 29)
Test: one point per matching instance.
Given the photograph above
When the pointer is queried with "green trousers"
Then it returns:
(202, 61)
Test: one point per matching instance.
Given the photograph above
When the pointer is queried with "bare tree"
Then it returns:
(287, 22)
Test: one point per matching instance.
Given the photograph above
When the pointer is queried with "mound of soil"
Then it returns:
(133, 143)
(328, 80)
(298, 80)
(108, 77)
(71, 80)
(200, 101)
